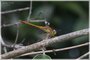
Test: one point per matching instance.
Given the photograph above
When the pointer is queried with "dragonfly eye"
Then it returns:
(47, 23)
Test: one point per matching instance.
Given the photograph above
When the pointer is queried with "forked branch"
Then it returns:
(45, 43)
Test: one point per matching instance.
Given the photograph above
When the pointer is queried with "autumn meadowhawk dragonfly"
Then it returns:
(46, 29)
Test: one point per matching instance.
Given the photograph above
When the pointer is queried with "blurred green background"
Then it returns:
(63, 16)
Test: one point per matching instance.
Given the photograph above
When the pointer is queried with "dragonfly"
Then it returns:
(46, 29)
(50, 32)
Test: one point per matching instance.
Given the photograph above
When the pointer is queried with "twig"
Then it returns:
(16, 10)
(17, 35)
(84, 55)
(22, 41)
(5, 49)
(37, 20)
(8, 25)
(45, 43)
(56, 50)
(9, 46)
(2, 42)
(30, 11)
(17, 46)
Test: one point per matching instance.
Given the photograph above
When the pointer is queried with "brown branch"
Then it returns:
(45, 43)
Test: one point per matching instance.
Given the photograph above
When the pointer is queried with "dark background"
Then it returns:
(63, 16)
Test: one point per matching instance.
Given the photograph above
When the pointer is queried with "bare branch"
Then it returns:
(37, 20)
(17, 35)
(8, 25)
(2, 42)
(84, 55)
(56, 50)
(45, 43)
(30, 11)
(17, 46)
(10, 46)
(5, 49)
(11, 11)
(22, 41)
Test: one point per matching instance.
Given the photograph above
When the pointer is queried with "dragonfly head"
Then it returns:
(50, 31)
(53, 33)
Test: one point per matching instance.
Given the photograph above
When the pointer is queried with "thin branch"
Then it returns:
(17, 35)
(30, 11)
(17, 46)
(10, 46)
(84, 55)
(22, 41)
(8, 25)
(16, 10)
(38, 45)
(37, 20)
(5, 49)
(56, 50)
(2, 42)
